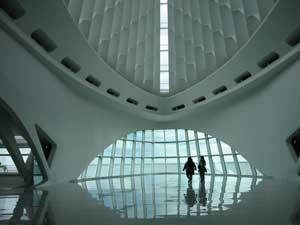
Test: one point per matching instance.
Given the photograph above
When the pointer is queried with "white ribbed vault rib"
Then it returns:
(203, 35)
(125, 33)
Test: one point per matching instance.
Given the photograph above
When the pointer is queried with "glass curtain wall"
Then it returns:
(7, 164)
(166, 151)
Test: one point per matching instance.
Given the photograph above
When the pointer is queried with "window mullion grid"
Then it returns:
(212, 168)
(133, 154)
(124, 195)
(123, 158)
(221, 156)
(179, 193)
(112, 194)
(177, 150)
(165, 154)
(142, 153)
(197, 146)
(152, 152)
(211, 190)
(143, 196)
(99, 166)
(99, 188)
(153, 194)
(254, 173)
(112, 160)
(85, 173)
(236, 162)
(134, 200)
(223, 190)
(187, 142)
(237, 189)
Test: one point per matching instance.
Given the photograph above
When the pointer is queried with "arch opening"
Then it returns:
(165, 151)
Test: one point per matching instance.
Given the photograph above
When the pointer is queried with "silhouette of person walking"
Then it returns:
(202, 169)
(189, 168)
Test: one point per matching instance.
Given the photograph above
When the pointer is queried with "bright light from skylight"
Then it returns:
(164, 47)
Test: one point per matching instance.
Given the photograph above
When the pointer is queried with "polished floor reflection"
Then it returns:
(159, 196)
(155, 199)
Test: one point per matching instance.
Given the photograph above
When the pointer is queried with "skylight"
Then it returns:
(164, 47)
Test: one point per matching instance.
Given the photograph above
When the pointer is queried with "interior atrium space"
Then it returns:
(149, 112)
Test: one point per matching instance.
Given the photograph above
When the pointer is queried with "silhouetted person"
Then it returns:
(190, 196)
(202, 194)
(202, 168)
(189, 168)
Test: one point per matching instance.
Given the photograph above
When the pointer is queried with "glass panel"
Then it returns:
(119, 145)
(108, 151)
(193, 148)
(217, 164)
(244, 165)
(130, 136)
(170, 135)
(171, 150)
(203, 147)
(148, 166)
(213, 146)
(127, 166)
(181, 135)
(129, 145)
(172, 165)
(159, 165)
(164, 66)
(105, 167)
(191, 135)
(3, 151)
(116, 169)
(230, 165)
(226, 148)
(148, 135)
(25, 150)
(164, 42)
(138, 149)
(182, 149)
(163, 15)
(159, 136)
(200, 135)
(137, 166)
(92, 168)
(159, 150)
(259, 173)
(139, 136)
(245, 184)
(148, 150)
(7, 165)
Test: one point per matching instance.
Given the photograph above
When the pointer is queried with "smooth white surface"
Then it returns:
(270, 202)
(82, 124)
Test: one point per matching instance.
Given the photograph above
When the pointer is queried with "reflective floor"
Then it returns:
(156, 199)
(160, 196)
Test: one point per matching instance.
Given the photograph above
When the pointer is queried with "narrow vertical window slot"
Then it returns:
(164, 48)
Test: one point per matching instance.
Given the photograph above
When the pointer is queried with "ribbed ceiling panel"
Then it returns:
(125, 33)
(203, 35)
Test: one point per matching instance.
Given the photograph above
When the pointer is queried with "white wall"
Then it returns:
(255, 123)
(258, 122)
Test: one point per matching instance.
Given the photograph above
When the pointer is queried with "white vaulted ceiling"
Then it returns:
(203, 35)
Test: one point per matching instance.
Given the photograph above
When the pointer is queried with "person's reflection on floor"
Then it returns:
(190, 196)
(202, 195)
